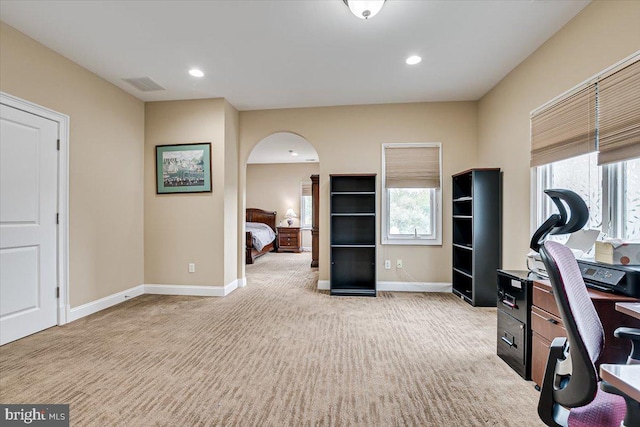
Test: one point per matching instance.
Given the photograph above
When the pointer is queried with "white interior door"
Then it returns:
(28, 231)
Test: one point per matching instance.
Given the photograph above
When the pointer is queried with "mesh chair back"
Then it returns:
(584, 329)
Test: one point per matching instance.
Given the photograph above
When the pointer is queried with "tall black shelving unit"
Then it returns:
(353, 235)
(477, 235)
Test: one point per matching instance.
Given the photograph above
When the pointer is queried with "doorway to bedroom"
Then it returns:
(279, 217)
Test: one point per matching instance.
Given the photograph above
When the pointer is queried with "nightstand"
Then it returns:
(289, 239)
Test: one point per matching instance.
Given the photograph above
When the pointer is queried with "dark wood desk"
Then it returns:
(629, 308)
(546, 324)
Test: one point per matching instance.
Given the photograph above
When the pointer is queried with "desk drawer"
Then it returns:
(540, 355)
(543, 298)
(511, 343)
(514, 297)
(546, 325)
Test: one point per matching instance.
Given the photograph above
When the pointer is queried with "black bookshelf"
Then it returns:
(353, 235)
(477, 235)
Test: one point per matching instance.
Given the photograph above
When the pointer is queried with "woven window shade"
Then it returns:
(619, 115)
(412, 167)
(305, 187)
(565, 129)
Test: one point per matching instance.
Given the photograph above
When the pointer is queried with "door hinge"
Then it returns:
(58, 145)
(58, 292)
(57, 218)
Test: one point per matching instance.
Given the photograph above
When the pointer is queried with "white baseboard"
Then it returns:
(192, 290)
(84, 310)
(414, 286)
(324, 285)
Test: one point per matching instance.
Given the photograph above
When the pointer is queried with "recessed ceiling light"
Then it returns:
(196, 73)
(293, 153)
(413, 60)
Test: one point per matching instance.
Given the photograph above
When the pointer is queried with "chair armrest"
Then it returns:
(547, 408)
(632, 334)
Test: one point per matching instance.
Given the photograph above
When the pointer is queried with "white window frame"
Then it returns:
(433, 239)
(302, 208)
(613, 198)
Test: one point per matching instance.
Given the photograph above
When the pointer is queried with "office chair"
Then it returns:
(570, 393)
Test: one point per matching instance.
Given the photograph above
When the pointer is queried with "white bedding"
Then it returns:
(262, 234)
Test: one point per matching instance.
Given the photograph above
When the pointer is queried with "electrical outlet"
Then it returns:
(399, 263)
(387, 264)
(192, 267)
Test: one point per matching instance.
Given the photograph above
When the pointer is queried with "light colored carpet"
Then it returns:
(276, 353)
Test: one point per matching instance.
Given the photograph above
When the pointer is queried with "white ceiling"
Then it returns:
(267, 54)
(277, 148)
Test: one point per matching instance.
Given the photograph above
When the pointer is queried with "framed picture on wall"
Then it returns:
(183, 168)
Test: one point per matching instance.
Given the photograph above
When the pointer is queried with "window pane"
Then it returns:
(583, 176)
(306, 211)
(410, 211)
(631, 182)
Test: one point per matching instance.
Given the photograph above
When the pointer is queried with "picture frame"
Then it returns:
(183, 168)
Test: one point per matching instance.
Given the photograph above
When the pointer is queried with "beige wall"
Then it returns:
(189, 228)
(602, 34)
(105, 163)
(276, 187)
(231, 243)
(122, 234)
(348, 140)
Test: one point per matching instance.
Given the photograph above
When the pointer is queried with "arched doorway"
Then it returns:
(279, 172)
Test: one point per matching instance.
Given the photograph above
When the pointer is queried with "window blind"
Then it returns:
(412, 166)
(564, 129)
(305, 188)
(619, 115)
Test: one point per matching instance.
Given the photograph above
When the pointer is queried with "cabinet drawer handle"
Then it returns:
(509, 343)
(554, 321)
(509, 304)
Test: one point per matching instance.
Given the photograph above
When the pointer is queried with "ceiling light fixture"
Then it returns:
(364, 9)
(196, 73)
(293, 153)
(413, 60)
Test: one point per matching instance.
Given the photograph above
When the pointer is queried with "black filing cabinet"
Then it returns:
(514, 320)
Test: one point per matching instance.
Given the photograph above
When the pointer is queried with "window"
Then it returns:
(588, 140)
(306, 205)
(627, 210)
(611, 192)
(411, 196)
(580, 174)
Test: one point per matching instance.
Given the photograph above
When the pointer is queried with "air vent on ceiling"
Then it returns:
(144, 84)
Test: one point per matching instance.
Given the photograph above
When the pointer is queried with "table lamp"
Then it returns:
(290, 215)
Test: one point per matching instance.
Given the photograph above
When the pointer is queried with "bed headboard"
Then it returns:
(259, 215)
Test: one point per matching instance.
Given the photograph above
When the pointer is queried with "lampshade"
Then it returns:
(290, 213)
(364, 9)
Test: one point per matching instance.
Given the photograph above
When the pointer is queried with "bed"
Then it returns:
(260, 233)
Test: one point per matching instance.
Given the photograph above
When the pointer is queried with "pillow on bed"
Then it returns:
(261, 233)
